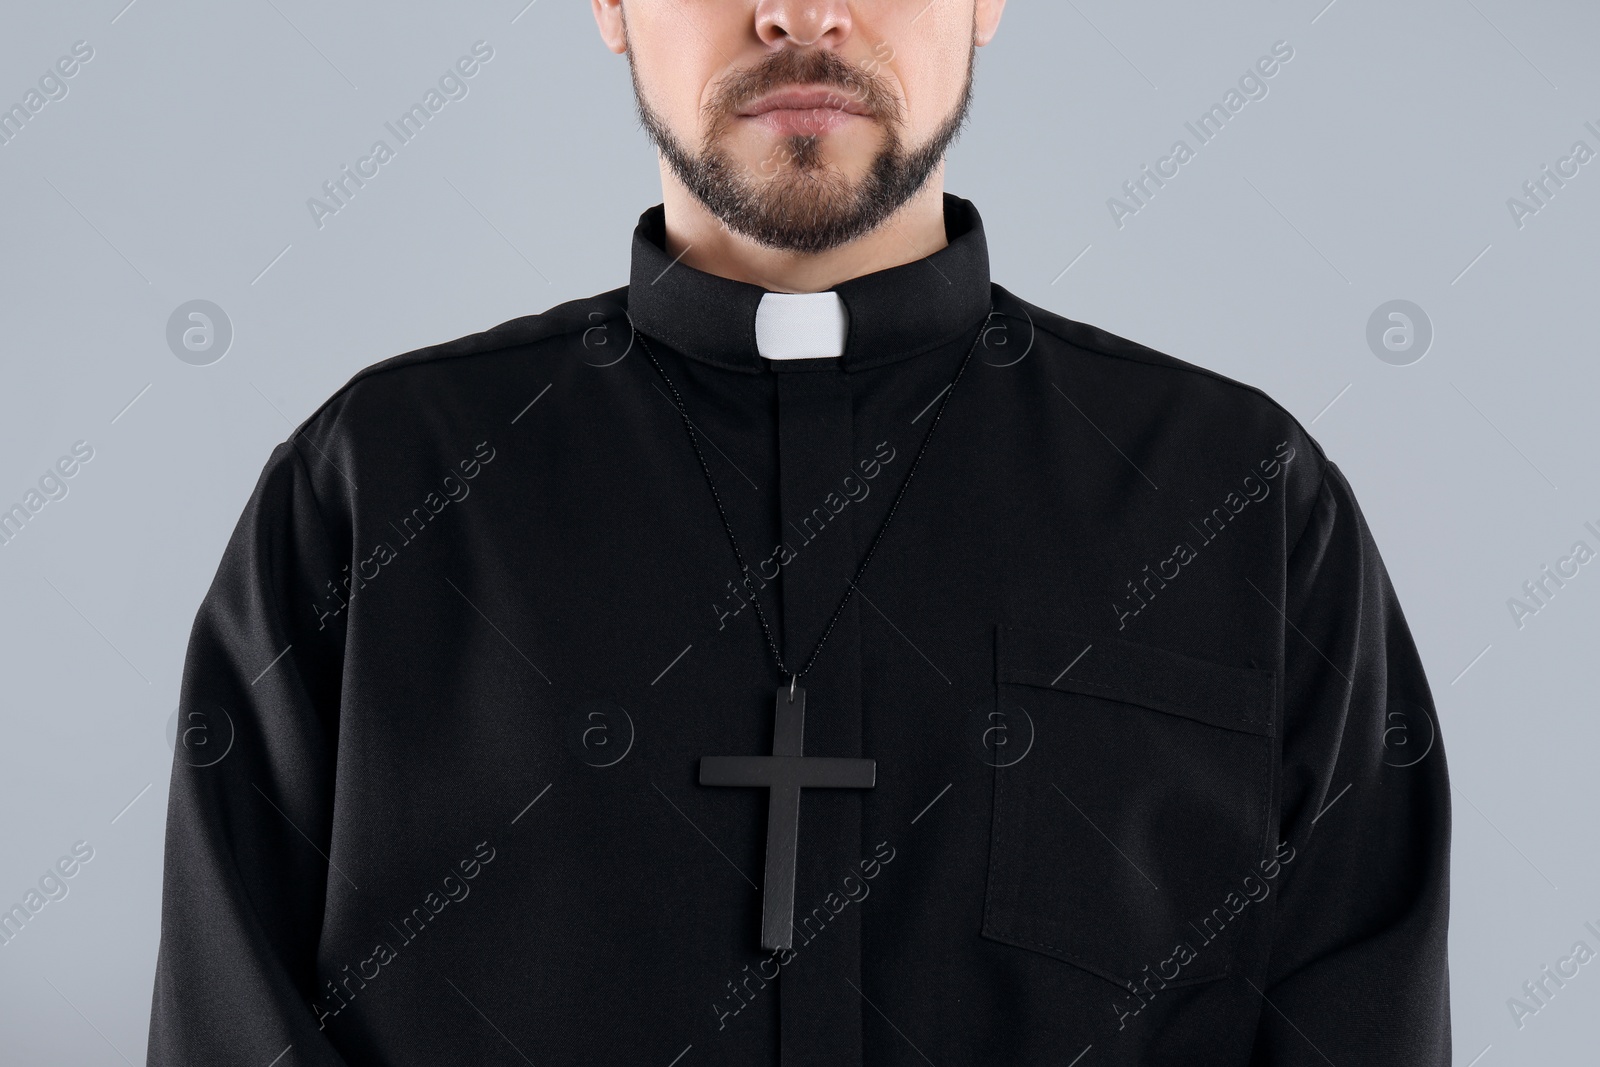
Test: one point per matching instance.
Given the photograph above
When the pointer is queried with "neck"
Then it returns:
(701, 240)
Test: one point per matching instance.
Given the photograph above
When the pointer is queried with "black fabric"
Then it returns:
(713, 319)
(1158, 770)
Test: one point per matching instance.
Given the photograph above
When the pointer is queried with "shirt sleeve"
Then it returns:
(1358, 967)
(247, 866)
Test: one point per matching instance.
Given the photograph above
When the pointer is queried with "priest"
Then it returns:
(809, 653)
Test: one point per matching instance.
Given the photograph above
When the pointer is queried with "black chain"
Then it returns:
(694, 439)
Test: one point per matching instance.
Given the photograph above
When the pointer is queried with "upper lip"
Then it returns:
(805, 99)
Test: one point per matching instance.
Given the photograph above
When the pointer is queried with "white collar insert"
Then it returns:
(801, 325)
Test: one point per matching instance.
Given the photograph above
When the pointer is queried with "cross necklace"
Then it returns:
(787, 771)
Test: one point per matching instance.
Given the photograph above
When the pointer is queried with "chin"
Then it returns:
(807, 159)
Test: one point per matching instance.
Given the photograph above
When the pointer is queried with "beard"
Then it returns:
(798, 201)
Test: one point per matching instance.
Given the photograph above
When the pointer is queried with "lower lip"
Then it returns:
(811, 120)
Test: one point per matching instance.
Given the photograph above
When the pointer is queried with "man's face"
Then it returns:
(803, 125)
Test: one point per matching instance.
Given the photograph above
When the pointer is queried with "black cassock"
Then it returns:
(1158, 774)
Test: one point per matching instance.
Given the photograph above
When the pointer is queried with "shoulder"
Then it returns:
(465, 367)
(1120, 358)
(1161, 398)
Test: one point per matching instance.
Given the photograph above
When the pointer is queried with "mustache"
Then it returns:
(785, 68)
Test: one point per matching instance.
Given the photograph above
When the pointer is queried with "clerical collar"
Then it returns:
(890, 314)
(801, 325)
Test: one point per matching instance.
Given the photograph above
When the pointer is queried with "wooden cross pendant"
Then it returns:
(784, 774)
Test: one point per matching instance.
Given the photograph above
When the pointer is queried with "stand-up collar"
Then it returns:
(893, 314)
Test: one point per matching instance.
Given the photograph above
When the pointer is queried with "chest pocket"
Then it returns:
(1141, 804)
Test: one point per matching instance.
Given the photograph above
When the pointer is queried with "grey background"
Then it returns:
(1377, 168)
